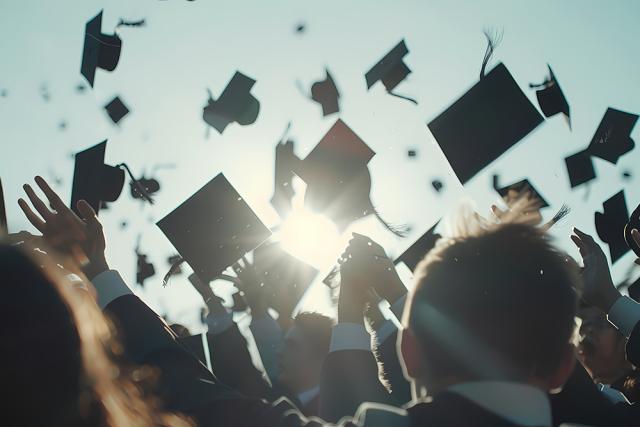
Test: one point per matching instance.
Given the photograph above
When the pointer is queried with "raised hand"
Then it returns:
(63, 230)
(598, 288)
(250, 284)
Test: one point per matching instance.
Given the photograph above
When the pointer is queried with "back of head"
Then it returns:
(495, 305)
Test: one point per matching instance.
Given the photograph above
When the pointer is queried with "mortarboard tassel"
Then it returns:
(143, 191)
(493, 40)
(400, 231)
(172, 270)
(559, 216)
(403, 97)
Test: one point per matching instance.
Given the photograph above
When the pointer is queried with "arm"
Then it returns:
(598, 290)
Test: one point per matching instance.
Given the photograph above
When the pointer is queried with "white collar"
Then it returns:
(308, 395)
(518, 403)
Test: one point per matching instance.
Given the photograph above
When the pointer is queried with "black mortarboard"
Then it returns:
(235, 104)
(326, 94)
(391, 69)
(283, 192)
(437, 185)
(94, 181)
(173, 260)
(4, 93)
(285, 277)
(633, 223)
(610, 225)
(580, 168)
(626, 174)
(613, 136)
(551, 98)
(150, 185)
(100, 50)
(300, 28)
(239, 302)
(213, 228)
(62, 125)
(144, 269)
(484, 123)
(417, 251)
(520, 187)
(3, 213)
(634, 290)
(412, 153)
(116, 109)
(336, 175)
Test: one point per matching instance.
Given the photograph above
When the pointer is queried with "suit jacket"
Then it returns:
(391, 371)
(633, 347)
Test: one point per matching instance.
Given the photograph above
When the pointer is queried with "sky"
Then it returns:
(186, 48)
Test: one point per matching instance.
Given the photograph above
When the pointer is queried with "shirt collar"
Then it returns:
(308, 395)
(518, 403)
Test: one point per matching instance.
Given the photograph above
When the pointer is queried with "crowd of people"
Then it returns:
(486, 339)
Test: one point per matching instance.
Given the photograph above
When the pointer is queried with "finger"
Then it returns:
(52, 196)
(34, 219)
(579, 243)
(37, 203)
(582, 234)
(88, 214)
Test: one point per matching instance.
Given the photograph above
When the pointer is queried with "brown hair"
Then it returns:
(58, 353)
(496, 303)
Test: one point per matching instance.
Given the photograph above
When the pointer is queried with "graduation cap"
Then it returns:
(96, 182)
(62, 125)
(116, 109)
(417, 251)
(239, 302)
(173, 259)
(484, 123)
(300, 28)
(633, 223)
(100, 50)
(283, 192)
(236, 104)
(326, 94)
(213, 228)
(285, 278)
(551, 98)
(144, 269)
(610, 225)
(626, 174)
(580, 168)
(437, 185)
(3, 213)
(4, 93)
(613, 136)
(412, 153)
(391, 70)
(519, 187)
(150, 185)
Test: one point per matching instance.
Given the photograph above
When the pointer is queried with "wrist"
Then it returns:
(608, 299)
(95, 267)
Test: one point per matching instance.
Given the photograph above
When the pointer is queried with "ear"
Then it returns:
(564, 369)
(409, 353)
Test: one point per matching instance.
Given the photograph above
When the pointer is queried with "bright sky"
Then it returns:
(187, 47)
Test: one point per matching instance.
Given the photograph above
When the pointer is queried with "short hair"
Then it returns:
(317, 327)
(497, 303)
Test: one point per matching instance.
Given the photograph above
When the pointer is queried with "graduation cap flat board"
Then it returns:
(213, 228)
(326, 94)
(94, 181)
(437, 185)
(285, 277)
(580, 168)
(100, 50)
(484, 123)
(337, 177)
(235, 104)
(417, 251)
(610, 225)
(391, 69)
(116, 110)
(613, 136)
(633, 223)
(520, 187)
(551, 98)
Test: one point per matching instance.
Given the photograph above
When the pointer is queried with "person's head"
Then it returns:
(180, 330)
(601, 348)
(306, 345)
(57, 353)
(494, 305)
